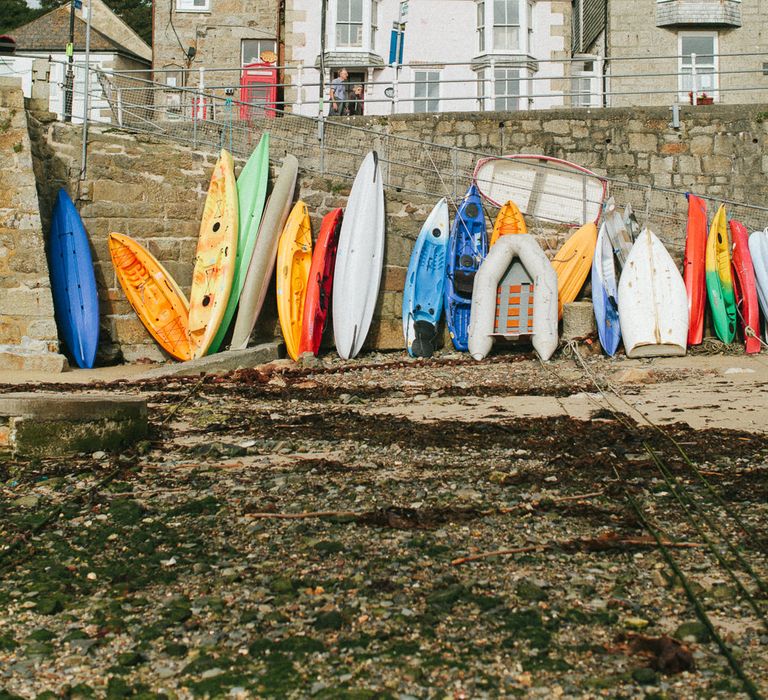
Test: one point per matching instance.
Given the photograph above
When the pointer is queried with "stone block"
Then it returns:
(645, 143)
(219, 362)
(578, 320)
(700, 146)
(58, 425)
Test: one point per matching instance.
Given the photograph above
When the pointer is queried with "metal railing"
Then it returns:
(413, 168)
(462, 86)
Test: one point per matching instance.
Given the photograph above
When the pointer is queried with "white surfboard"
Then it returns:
(758, 249)
(653, 306)
(264, 253)
(359, 260)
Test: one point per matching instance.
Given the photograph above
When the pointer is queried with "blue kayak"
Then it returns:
(73, 283)
(424, 282)
(605, 295)
(467, 248)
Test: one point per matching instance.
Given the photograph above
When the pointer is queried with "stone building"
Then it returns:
(206, 43)
(662, 52)
(41, 48)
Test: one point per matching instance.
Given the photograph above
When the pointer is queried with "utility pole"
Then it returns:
(70, 78)
(323, 19)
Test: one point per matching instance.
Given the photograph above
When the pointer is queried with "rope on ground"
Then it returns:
(749, 687)
(572, 346)
(681, 495)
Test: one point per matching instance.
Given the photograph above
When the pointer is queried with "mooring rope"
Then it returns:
(749, 686)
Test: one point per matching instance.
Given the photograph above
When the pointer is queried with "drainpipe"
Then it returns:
(606, 49)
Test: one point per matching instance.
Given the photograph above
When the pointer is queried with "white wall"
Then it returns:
(437, 32)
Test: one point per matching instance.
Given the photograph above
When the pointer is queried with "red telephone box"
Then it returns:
(258, 91)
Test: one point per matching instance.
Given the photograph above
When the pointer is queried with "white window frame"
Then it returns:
(497, 95)
(481, 38)
(582, 78)
(426, 103)
(524, 29)
(504, 24)
(684, 86)
(259, 39)
(189, 6)
(333, 13)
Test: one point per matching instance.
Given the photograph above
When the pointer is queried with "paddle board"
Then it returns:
(264, 252)
(359, 260)
(719, 278)
(605, 293)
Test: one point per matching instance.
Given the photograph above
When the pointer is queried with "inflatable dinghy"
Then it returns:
(515, 269)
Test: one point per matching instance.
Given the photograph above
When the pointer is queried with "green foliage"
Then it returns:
(14, 13)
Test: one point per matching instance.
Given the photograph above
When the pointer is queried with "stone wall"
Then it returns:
(27, 326)
(154, 190)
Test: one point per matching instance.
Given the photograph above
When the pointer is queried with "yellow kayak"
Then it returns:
(509, 220)
(215, 257)
(573, 263)
(152, 292)
(294, 258)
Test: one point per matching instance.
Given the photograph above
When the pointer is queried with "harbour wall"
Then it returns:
(154, 190)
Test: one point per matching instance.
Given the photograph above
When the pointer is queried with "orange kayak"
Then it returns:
(154, 295)
(509, 220)
(294, 258)
(572, 264)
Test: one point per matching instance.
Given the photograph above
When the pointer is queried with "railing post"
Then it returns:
(602, 78)
(299, 85)
(492, 91)
(694, 80)
(120, 106)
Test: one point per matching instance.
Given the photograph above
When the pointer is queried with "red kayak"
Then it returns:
(745, 287)
(693, 267)
(318, 301)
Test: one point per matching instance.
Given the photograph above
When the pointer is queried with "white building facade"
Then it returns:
(457, 55)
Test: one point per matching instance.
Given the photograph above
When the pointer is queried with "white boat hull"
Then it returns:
(653, 305)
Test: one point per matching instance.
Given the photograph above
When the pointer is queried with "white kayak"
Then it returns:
(264, 253)
(653, 305)
(758, 249)
(359, 260)
(500, 258)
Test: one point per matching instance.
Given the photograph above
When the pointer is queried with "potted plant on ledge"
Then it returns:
(701, 99)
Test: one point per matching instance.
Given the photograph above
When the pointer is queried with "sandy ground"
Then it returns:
(393, 529)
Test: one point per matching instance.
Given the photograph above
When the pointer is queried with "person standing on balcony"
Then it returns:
(339, 93)
(355, 105)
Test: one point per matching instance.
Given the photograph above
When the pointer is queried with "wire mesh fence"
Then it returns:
(335, 147)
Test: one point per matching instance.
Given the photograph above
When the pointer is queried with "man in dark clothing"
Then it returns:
(356, 102)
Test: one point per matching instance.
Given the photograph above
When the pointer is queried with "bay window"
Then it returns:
(504, 26)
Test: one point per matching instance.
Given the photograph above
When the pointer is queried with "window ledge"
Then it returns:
(201, 11)
(350, 58)
(505, 60)
(691, 13)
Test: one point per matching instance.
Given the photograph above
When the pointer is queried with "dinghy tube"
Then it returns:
(493, 269)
